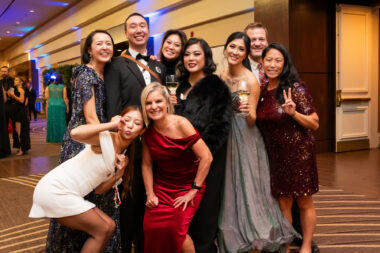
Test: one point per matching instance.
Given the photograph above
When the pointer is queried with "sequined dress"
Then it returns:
(290, 146)
(250, 216)
(60, 238)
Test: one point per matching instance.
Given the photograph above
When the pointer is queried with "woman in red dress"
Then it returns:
(286, 116)
(175, 189)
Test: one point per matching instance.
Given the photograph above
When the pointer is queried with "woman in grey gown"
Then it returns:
(250, 217)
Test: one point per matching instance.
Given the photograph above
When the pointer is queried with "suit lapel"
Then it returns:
(132, 66)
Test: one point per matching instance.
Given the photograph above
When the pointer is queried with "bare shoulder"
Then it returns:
(223, 74)
(183, 125)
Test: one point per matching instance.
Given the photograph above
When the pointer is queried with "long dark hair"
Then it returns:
(209, 67)
(86, 58)
(244, 37)
(182, 37)
(128, 173)
(289, 74)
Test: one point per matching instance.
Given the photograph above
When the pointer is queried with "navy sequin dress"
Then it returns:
(290, 146)
(60, 238)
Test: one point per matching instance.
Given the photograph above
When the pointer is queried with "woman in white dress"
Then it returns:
(59, 194)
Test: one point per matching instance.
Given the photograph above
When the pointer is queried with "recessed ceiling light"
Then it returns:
(31, 11)
(17, 23)
(8, 31)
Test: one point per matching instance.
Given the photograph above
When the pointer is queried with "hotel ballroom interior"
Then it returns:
(334, 45)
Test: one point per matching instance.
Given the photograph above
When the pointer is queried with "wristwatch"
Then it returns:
(194, 186)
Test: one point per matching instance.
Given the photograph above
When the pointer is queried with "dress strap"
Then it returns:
(108, 151)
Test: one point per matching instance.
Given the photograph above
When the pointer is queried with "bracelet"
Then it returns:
(194, 186)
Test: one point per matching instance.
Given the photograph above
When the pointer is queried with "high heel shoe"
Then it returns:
(20, 153)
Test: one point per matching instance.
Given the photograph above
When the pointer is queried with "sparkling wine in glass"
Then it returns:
(243, 94)
(172, 83)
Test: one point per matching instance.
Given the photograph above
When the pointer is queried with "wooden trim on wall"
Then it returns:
(353, 145)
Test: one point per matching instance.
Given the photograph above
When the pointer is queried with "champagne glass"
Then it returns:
(243, 94)
(172, 83)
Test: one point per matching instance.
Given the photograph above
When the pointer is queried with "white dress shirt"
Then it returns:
(144, 72)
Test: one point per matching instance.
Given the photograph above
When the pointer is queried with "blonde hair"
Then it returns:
(154, 86)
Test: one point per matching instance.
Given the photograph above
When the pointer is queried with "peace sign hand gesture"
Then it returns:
(289, 106)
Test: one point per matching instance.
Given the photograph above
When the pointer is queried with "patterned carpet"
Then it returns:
(346, 222)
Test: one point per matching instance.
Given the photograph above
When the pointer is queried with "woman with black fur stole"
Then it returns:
(204, 99)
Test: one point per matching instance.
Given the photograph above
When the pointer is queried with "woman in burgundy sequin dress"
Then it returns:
(286, 116)
(175, 190)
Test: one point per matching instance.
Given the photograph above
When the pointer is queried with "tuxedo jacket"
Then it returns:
(124, 83)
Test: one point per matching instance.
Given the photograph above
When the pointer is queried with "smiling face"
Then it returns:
(101, 49)
(156, 105)
(194, 58)
(137, 32)
(133, 125)
(235, 51)
(259, 42)
(171, 49)
(273, 64)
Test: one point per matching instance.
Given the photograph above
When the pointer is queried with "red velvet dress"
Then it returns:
(290, 146)
(165, 227)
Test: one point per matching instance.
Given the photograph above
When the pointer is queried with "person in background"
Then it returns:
(20, 116)
(258, 34)
(205, 100)
(125, 77)
(88, 100)
(7, 82)
(250, 217)
(5, 148)
(32, 96)
(172, 47)
(286, 117)
(57, 107)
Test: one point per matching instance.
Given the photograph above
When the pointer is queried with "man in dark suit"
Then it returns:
(258, 34)
(124, 82)
(7, 82)
(32, 95)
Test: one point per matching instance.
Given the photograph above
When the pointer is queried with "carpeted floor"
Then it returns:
(347, 221)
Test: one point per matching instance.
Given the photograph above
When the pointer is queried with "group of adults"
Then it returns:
(212, 171)
(17, 102)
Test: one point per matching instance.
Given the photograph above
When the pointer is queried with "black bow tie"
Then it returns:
(144, 57)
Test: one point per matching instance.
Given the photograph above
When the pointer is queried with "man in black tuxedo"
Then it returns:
(7, 82)
(32, 96)
(124, 81)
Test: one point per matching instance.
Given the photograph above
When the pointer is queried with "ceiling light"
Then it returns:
(8, 32)
(31, 11)
(17, 23)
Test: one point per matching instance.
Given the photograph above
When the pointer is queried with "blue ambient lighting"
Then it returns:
(75, 28)
(44, 55)
(56, 3)
(27, 29)
(37, 46)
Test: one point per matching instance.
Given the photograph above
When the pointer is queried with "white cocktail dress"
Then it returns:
(60, 192)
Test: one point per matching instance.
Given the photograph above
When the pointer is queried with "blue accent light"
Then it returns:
(44, 55)
(56, 3)
(49, 66)
(75, 28)
(27, 29)
(37, 46)
(16, 34)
